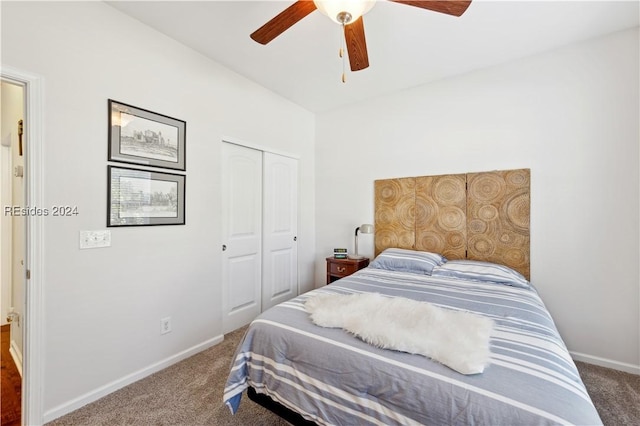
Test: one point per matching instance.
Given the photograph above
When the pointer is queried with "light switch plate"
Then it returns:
(95, 239)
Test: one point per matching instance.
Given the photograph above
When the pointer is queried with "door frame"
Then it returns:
(33, 315)
(257, 147)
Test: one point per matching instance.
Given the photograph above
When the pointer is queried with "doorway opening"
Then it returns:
(27, 297)
(12, 247)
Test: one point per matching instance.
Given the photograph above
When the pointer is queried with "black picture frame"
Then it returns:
(143, 137)
(139, 197)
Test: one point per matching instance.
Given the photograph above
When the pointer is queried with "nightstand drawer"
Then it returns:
(342, 269)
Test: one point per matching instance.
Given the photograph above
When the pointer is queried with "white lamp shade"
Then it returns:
(332, 8)
(366, 228)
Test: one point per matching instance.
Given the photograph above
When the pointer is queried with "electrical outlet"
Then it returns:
(165, 325)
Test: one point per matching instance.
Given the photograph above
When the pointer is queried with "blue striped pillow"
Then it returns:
(481, 271)
(396, 259)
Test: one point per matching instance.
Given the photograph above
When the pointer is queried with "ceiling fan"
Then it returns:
(348, 13)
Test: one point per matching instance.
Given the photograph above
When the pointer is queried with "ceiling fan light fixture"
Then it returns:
(344, 12)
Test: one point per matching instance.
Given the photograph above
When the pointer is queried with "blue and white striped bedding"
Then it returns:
(331, 377)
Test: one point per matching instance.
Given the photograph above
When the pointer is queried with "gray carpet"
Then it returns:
(615, 394)
(190, 393)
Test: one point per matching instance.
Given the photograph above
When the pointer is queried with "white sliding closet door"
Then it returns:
(242, 235)
(280, 228)
(259, 231)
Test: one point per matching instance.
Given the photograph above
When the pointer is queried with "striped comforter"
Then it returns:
(331, 377)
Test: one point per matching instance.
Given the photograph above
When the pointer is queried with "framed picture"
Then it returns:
(144, 197)
(143, 137)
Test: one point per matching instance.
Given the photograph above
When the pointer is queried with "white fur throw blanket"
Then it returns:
(457, 339)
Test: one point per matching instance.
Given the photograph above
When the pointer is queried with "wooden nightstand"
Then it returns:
(340, 268)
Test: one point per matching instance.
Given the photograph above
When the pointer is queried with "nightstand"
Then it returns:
(340, 268)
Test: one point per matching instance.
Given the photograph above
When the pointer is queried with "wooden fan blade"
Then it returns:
(450, 7)
(356, 45)
(283, 21)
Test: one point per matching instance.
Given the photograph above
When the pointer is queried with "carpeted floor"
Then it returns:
(615, 394)
(190, 393)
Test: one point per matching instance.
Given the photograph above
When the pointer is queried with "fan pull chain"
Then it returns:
(344, 75)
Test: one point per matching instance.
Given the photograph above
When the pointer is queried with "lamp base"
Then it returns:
(355, 257)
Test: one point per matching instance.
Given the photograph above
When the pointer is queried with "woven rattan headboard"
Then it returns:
(479, 216)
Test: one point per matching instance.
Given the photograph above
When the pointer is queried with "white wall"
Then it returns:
(571, 116)
(103, 306)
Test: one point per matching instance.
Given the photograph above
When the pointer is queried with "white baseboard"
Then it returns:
(604, 362)
(16, 354)
(103, 391)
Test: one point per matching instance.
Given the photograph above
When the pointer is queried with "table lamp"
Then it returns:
(365, 229)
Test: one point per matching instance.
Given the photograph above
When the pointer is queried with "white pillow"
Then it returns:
(396, 259)
(481, 271)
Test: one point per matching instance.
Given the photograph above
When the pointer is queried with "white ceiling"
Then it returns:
(407, 46)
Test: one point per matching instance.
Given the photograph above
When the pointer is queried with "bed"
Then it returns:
(320, 375)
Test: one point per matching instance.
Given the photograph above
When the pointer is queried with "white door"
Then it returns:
(280, 220)
(242, 235)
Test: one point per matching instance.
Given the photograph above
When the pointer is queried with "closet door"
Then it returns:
(280, 227)
(242, 235)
